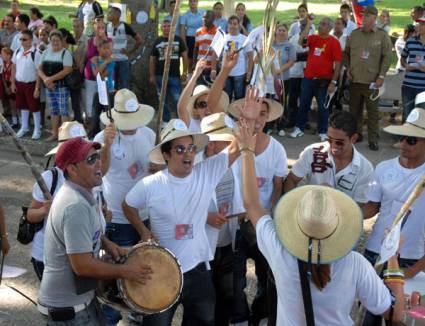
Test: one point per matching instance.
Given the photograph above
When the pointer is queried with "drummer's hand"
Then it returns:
(134, 270)
(216, 220)
(113, 249)
(147, 235)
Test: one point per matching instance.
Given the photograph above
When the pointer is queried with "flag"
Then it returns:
(102, 90)
(358, 7)
(217, 44)
(255, 38)
(390, 244)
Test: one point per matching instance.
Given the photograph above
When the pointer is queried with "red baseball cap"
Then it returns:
(74, 151)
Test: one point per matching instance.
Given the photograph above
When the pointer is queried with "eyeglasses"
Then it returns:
(180, 149)
(201, 105)
(410, 140)
(337, 142)
(23, 39)
(91, 160)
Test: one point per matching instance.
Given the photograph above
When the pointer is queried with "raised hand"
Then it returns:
(245, 136)
(200, 66)
(252, 106)
(109, 135)
(230, 60)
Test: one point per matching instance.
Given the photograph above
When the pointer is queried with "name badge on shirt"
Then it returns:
(318, 52)
(184, 231)
(364, 55)
(118, 152)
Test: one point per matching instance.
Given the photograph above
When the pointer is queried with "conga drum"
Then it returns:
(158, 294)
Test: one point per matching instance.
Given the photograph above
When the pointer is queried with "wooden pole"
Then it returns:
(27, 158)
(166, 70)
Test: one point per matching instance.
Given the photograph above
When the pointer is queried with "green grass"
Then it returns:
(399, 9)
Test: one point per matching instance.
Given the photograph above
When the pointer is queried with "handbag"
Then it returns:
(26, 229)
(74, 80)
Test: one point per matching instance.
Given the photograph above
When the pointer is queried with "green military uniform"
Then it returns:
(368, 56)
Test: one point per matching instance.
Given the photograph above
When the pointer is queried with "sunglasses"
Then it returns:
(24, 39)
(409, 139)
(180, 149)
(337, 142)
(92, 159)
(201, 105)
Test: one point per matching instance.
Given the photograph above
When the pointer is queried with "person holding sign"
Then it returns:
(393, 182)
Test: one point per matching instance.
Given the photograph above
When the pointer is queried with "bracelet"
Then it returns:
(246, 148)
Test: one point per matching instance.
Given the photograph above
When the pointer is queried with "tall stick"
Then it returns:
(166, 70)
(27, 158)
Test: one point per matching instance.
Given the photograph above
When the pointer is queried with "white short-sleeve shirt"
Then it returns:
(351, 277)
(173, 201)
(316, 164)
(242, 64)
(26, 64)
(391, 186)
(129, 163)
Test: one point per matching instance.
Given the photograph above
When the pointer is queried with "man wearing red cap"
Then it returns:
(73, 238)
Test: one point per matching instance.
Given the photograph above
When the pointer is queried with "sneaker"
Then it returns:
(21, 133)
(36, 135)
(296, 133)
(281, 133)
(323, 137)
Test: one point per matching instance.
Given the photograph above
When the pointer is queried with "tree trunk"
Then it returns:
(139, 62)
(229, 8)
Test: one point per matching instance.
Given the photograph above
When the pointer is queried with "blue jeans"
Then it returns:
(174, 89)
(123, 235)
(235, 87)
(197, 298)
(408, 95)
(293, 97)
(122, 74)
(310, 88)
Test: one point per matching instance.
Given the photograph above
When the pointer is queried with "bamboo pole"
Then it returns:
(27, 158)
(166, 71)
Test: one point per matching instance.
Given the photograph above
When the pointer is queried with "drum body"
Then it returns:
(158, 294)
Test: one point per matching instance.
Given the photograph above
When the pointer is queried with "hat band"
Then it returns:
(216, 129)
(415, 125)
(310, 237)
(127, 112)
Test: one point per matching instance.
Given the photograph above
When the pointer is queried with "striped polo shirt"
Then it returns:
(414, 53)
(203, 41)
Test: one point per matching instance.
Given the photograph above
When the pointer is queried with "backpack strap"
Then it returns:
(306, 292)
(55, 175)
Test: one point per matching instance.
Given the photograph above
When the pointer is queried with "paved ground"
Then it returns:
(15, 190)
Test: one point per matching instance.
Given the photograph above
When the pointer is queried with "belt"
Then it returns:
(45, 310)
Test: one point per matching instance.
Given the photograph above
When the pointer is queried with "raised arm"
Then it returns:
(230, 61)
(182, 111)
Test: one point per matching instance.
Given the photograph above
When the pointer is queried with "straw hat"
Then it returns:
(218, 127)
(275, 108)
(413, 127)
(128, 113)
(323, 214)
(200, 90)
(174, 129)
(68, 130)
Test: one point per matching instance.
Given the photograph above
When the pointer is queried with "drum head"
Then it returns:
(163, 289)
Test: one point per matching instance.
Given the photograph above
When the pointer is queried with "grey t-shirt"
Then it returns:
(287, 53)
(73, 226)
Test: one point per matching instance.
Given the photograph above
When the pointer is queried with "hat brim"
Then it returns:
(130, 121)
(334, 247)
(223, 102)
(53, 151)
(225, 134)
(200, 140)
(406, 130)
(275, 108)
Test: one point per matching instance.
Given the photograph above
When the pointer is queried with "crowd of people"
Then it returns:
(217, 189)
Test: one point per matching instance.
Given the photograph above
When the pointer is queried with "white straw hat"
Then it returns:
(218, 127)
(174, 129)
(413, 127)
(200, 90)
(275, 108)
(128, 113)
(324, 216)
(68, 130)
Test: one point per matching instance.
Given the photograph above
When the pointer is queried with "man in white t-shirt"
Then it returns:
(336, 162)
(178, 199)
(240, 75)
(126, 145)
(345, 13)
(393, 182)
(21, 23)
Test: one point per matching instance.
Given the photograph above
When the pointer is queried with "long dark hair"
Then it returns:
(37, 12)
(245, 19)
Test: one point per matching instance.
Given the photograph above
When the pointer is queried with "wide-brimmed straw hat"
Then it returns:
(128, 113)
(218, 127)
(275, 108)
(174, 129)
(200, 90)
(413, 127)
(321, 216)
(68, 130)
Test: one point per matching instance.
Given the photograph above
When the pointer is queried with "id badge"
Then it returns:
(364, 55)
(317, 52)
(184, 231)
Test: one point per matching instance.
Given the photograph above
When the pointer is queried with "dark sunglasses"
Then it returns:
(91, 160)
(337, 142)
(24, 39)
(180, 149)
(201, 105)
(409, 139)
